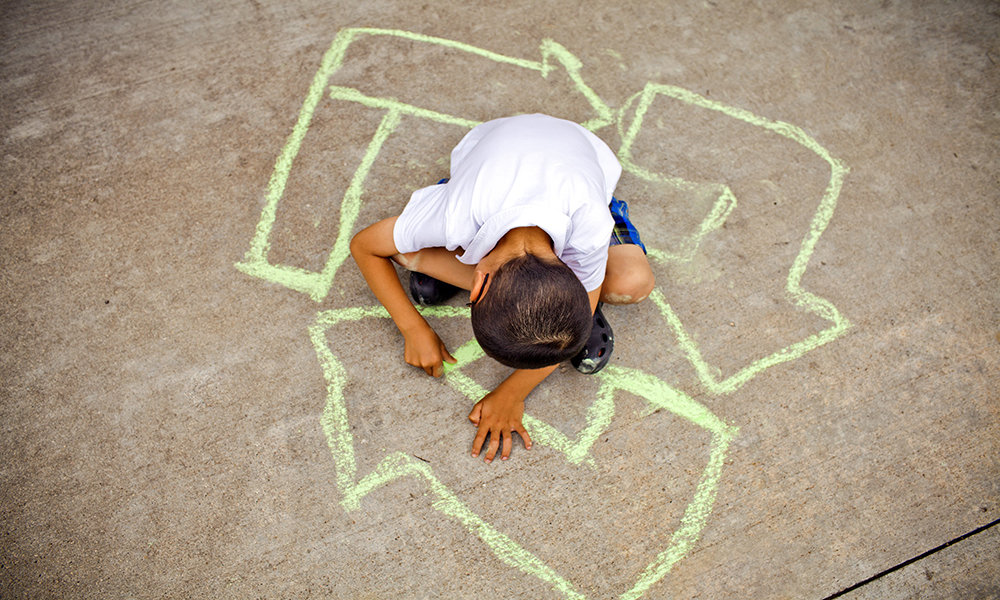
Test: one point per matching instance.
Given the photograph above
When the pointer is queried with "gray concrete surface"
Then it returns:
(964, 570)
(191, 409)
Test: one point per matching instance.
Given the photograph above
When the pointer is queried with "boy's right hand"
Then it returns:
(425, 349)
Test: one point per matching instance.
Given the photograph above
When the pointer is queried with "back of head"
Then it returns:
(536, 313)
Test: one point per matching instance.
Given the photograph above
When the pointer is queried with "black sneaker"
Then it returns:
(597, 351)
(428, 291)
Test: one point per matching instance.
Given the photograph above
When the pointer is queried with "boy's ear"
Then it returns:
(479, 286)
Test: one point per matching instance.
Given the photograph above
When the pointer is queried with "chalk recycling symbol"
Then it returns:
(336, 422)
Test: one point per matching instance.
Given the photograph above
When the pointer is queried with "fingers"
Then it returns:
(499, 432)
(524, 436)
(427, 366)
(447, 355)
(431, 369)
(491, 450)
(426, 351)
(477, 444)
(500, 439)
(505, 451)
(437, 369)
(434, 369)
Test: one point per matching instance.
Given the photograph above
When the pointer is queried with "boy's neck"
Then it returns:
(525, 240)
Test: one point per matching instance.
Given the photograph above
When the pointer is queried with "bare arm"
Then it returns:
(372, 248)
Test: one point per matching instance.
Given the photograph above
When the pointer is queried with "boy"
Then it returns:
(529, 205)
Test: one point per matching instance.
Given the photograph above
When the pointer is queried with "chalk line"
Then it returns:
(801, 298)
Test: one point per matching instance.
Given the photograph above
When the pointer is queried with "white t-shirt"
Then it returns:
(528, 170)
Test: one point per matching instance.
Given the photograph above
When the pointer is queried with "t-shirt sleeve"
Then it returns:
(611, 169)
(589, 267)
(422, 222)
(586, 251)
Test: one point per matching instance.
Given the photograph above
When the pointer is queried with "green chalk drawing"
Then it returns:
(613, 379)
(657, 394)
(723, 206)
(317, 285)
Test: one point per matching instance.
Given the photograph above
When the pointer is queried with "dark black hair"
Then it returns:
(535, 313)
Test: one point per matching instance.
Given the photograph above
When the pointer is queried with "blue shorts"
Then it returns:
(624, 231)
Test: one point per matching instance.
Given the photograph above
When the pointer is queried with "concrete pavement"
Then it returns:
(201, 398)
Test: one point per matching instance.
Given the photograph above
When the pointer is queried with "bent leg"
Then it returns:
(439, 263)
(629, 277)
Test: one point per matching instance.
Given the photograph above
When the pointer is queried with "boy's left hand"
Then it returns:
(498, 415)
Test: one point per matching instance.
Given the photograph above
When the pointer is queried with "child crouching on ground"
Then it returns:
(528, 224)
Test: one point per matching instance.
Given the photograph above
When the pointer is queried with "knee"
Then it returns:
(629, 286)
